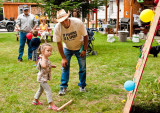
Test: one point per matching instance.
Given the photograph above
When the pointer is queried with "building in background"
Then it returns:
(111, 10)
(124, 11)
(12, 10)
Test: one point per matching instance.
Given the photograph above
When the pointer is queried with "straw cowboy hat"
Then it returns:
(42, 18)
(61, 15)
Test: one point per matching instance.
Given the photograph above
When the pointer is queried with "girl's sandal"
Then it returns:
(53, 107)
(36, 103)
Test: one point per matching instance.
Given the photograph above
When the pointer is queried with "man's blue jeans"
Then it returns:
(22, 41)
(82, 68)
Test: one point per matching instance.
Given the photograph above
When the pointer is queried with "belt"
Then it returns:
(23, 31)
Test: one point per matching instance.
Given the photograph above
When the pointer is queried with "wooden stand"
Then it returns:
(142, 61)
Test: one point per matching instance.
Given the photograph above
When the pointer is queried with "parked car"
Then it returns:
(7, 24)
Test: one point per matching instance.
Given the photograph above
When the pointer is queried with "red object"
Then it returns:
(39, 34)
(95, 10)
(156, 1)
(29, 36)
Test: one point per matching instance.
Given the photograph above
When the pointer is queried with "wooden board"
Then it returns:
(66, 104)
(142, 61)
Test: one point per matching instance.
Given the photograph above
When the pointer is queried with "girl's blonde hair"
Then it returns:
(42, 47)
(42, 19)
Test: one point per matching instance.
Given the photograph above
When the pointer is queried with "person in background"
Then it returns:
(44, 30)
(35, 42)
(76, 13)
(25, 23)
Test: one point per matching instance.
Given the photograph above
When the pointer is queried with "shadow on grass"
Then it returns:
(148, 108)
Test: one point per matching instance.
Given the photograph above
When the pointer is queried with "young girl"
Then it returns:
(44, 66)
(44, 29)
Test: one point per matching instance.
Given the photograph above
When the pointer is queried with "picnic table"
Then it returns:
(50, 33)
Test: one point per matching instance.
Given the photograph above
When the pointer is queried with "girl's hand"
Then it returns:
(40, 56)
(53, 66)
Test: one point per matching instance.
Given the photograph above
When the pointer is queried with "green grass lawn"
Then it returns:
(106, 73)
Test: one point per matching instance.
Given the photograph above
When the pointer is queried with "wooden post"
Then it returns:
(88, 20)
(131, 17)
(106, 14)
(96, 20)
(88, 16)
(105, 17)
(117, 25)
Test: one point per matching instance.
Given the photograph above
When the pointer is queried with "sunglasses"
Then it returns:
(26, 10)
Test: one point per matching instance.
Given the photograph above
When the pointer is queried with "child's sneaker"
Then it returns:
(62, 91)
(19, 60)
(34, 65)
(36, 103)
(82, 89)
(53, 107)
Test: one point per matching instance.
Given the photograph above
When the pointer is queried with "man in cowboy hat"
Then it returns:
(73, 34)
(25, 23)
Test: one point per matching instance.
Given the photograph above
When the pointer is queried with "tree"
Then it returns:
(31, 1)
(83, 5)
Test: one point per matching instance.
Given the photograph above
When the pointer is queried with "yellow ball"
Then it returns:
(36, 17)
(137, 66)
(146, 15)
(123, 101)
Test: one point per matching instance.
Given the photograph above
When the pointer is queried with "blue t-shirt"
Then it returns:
(35, 42)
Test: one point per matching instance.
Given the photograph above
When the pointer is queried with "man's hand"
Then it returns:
(64, 62)
(31, 31)
(17, 29)
(83, 53)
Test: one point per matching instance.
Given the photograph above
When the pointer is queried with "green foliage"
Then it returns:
(1, 3)
(68, 5)
(82, 5)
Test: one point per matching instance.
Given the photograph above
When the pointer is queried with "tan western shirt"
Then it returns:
(26, 23)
